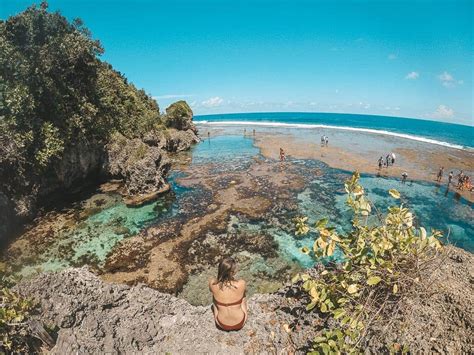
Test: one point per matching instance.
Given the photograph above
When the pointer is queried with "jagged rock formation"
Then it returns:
(142, 167)
(97, 317)
(142, 164)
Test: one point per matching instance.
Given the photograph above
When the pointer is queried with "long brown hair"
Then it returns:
(226, 272)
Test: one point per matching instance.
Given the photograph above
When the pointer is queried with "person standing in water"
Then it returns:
(393, 158)
(380, 163)
(450, 177)
(326, 141)
(282, 154)
(460, 179)
(440, 174)
(254, 132)
(388, 158)
(404, 177)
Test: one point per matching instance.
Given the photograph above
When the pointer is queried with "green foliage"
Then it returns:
(379, 262)
(14, 313)
(55, 92)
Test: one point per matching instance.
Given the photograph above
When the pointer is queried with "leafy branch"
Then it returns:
(379, 263)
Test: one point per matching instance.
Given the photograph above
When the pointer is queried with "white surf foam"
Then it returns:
(342, 128)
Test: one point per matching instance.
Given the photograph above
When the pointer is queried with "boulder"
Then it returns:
(142, 167)
(180, 116)
(177, 141)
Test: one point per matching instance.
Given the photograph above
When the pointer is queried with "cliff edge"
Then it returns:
(96, 317)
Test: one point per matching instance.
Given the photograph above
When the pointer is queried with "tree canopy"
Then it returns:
(55, 91)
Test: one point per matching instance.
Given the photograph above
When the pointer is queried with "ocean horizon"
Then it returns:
(452, 135)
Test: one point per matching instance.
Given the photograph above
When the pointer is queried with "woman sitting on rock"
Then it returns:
(230, 305)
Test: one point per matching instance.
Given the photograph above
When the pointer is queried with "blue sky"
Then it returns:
(398, 58)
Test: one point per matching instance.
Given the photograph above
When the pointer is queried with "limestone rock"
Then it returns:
(142, 167)
(98, 317)
(178, 141)
(180, 116)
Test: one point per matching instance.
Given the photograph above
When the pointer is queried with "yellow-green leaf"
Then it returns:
(305, 250)
(352, 288)
(395, 288)
(374, 280)
(394, 193)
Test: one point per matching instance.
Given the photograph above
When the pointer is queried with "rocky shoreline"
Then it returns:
(93, 316)
(140, 164)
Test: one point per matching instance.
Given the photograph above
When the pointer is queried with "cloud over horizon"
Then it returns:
(212, 102)
(443, 112)
(448, 80)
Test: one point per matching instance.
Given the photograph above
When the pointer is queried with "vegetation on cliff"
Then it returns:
(56, 92)
(60, 106)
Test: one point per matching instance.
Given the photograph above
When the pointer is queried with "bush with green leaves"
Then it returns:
(379, 261)
(14, 314)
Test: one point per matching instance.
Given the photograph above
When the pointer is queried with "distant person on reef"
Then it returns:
(460, 179)
(326, 141)
(245, 131)
(388, 159)
(380, 163)
(322, 141)
(440, 174)
(282, 154)
(404, 177)
(254, 131)
(450, 177)
(228, 294)
(393, 158)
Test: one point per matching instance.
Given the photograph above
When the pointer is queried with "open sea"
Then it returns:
(440, 133)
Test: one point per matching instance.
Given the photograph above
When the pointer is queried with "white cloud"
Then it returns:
(392, 56)
(172, 96)
(212, 102)
(447, 80)
(412, 75)
(443, 112)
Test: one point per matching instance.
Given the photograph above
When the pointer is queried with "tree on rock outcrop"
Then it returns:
(180, 116)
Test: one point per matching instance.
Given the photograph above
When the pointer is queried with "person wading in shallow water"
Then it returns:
(282, 154)
(228, 294)
(440, 174)
(404, 177)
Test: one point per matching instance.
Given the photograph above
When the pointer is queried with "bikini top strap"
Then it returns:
(228, 304)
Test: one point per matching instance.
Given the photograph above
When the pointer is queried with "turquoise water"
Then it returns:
(454, 134)
(91, 238)
(324, 197)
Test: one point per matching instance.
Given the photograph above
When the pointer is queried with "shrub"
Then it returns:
(379, 263)
(14, 313)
